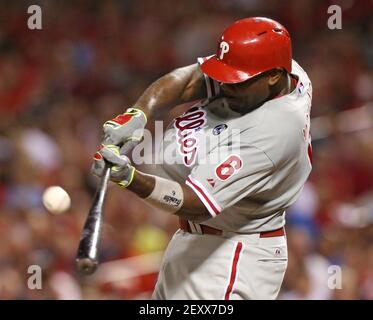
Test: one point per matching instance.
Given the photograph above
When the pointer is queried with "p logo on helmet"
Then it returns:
(224, 48)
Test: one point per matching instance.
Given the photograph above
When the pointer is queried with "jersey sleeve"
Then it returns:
(236, 176)
(212, 86)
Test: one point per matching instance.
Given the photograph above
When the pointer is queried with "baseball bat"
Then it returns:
(87, 256)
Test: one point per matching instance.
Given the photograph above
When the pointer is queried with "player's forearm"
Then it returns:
(142, 184)
(191, 207)
(179, 86)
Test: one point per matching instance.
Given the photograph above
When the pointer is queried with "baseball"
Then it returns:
(56, 200)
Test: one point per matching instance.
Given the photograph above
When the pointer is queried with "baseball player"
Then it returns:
(232, 164)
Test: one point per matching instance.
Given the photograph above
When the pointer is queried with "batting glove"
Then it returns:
(125, 130)
(122, 172)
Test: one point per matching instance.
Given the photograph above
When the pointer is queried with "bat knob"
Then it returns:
(86, 265)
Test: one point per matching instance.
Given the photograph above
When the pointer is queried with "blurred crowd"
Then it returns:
(91, 60)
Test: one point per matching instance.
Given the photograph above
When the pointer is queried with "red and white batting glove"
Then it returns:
(125, 130)
(122, 172)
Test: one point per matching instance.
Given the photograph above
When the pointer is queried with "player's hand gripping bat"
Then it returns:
(115, 131)
(110, 155)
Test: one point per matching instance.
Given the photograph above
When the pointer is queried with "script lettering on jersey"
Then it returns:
(186, 127)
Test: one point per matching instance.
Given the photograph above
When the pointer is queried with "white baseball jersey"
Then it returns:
(246, 169)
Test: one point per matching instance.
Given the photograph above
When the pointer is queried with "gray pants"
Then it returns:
(231, 266)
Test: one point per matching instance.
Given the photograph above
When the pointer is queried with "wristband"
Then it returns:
(167, 195)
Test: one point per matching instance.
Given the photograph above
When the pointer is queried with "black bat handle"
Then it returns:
(87, 257)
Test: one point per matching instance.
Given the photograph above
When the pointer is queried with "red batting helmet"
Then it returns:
(247, 48)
